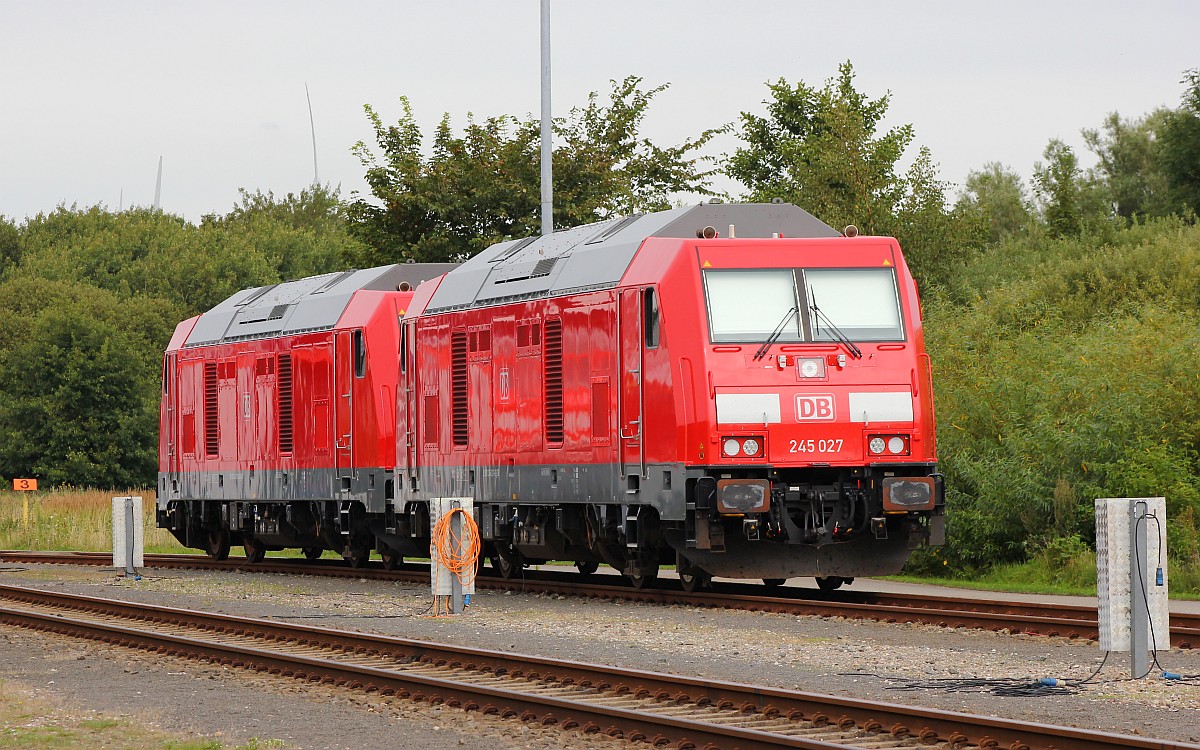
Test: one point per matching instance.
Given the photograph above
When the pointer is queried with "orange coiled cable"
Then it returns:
(457, 553)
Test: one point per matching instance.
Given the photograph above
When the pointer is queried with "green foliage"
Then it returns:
(78, 392)
(995, 203)
(483, 186)
(297, 236)
(1128, 170)
(92, 301)
(10, 245)
(1069, 377)
(1069, 200)
(1179, 146)
(821, 149)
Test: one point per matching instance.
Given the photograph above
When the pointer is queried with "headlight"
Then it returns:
(876, 445)
(750, 447)
(896, 444)
(811, 368)
(732, 447)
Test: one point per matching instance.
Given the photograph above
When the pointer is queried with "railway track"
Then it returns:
(1070, 621)
(663, 710)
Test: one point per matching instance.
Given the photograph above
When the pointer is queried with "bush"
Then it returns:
(1066, 380)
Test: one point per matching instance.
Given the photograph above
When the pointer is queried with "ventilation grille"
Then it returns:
(458, 386)
(211, 442)
(284, 395)
(554, 381)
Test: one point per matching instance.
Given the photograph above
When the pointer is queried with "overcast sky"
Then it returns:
(93, 93)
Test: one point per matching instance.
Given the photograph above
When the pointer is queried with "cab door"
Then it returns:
(343, 409)
(631, 392)
(170, 447)
(407, 429)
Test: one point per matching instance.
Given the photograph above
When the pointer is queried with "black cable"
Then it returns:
(1141, 573)
(1006, 687)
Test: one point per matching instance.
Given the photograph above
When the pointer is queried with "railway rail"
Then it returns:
(1034, 618)
(663, 710)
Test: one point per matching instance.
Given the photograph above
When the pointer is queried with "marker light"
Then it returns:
(750, 447)
(877, 445)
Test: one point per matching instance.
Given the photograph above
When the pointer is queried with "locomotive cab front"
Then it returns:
(820, 434)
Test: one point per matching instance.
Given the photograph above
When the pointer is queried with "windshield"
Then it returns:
(745, 306)
(861, 302)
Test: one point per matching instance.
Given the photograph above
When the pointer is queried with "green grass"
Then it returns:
(1077, 578)
(77, 520)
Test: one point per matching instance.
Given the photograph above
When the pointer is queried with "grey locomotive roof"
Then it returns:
(311, 304)
(596, 256)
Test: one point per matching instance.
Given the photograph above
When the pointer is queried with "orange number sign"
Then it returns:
(24, 485)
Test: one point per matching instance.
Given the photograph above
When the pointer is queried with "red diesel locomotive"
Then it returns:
(277, 425)
(737, 390)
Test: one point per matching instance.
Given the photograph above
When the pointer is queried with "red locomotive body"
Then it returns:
(277, 422)
(735, 389)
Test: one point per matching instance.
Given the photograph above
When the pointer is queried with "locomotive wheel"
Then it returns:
(775, 582)
(506, 560)
(507, 567)
(312, 553)
(587, 567)
(694, 581)
(391, 560)
(645, 580)
(359, 555)
(255, 550)
(830, 583)
(217, 544)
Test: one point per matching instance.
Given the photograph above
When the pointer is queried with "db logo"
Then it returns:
(815, 408)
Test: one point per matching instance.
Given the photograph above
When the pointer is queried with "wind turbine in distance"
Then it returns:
(312, 126)
(158, 187)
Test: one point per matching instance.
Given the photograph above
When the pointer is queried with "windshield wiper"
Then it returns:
(766, 345)
(838, 336)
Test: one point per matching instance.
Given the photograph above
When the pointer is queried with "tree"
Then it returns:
(995, 196)
(10, 244)
(78, 383)
(1179, 147)
(1128, 169)
(819, 148)
(483, 186)
(299, 235)
(1069, 200)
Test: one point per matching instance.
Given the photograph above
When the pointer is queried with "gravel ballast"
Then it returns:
(842, 657)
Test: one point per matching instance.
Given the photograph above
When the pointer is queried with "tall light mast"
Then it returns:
(547, 166)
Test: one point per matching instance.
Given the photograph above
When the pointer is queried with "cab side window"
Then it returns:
(650, 318)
